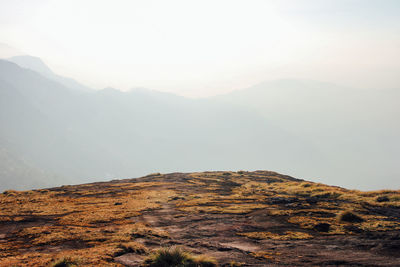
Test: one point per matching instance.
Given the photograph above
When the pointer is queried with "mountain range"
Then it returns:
(54, 130)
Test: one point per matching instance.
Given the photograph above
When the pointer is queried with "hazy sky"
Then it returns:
(209, 47)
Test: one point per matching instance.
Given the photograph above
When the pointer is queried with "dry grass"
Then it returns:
(177, 257)
(131, 247)
(65, 262)
(221, 208)
(85, 216)
(289, 235)
(99, 222)
(268, 256)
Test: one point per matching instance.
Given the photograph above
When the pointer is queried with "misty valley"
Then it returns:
(55, 131)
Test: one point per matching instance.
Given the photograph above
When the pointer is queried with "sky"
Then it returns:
(203, 48)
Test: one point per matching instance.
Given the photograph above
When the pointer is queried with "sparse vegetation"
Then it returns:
(65, 262)
(350, 216)
(176, 257)
(83, 221)
(382, 199)
(131, 247)
(289, 235)
(266, 255)
(322, 227)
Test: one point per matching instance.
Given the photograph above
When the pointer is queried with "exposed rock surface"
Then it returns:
(251, 218)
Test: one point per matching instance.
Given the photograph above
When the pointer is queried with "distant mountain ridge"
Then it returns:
(36, 64)
(354, 129)
(107, 134)
(32, 63)
(336, 135)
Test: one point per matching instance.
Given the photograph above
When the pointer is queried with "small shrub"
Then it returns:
(65, 262)
(10, 193)
(177, 257)
(205, 261)
(382, 199)
(168, 257)
(322, 227)
(349, 216)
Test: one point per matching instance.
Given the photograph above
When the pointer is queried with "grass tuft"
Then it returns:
(65, 262)
(131, 247)
(350, 216)
(175, 256)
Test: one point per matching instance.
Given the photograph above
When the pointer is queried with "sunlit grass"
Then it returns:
(102, 221)
(288, 235)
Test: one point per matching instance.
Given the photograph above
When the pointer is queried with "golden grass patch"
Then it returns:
(288, 235)
(266, 255)
(95, 222)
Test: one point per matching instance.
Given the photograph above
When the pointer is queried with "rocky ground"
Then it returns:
(257, 218)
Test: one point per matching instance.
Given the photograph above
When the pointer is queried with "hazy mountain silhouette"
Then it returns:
(355, 130)
(62, 134)
(92, 135)
(36, 64)
(16, 173)
(32, 63)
